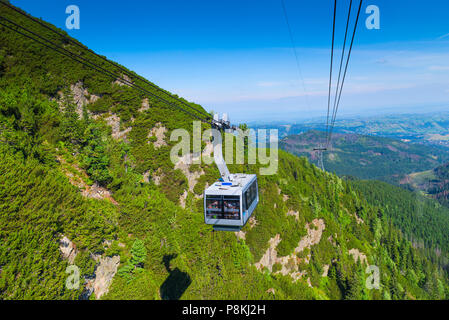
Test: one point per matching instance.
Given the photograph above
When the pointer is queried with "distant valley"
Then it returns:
(430, 128)
(367, 157)
(434, 183)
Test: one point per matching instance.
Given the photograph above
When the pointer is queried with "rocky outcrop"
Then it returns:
(325, 270)
(358, 256)
(145, 105)
(156, 177)
(105, 270)
(192, 177)
(97, 192)
(270, 257)
(186, 161)
(289, 264)
(159, 132)
(68, 249)
(313, 236)
(114, 122)
(271, 290)
(102, 279)
(124, 81)
(358, 219)
(182, 199)
(81, 97)
(252, 222)
(240, 235)
(293, 213)
(77, 177)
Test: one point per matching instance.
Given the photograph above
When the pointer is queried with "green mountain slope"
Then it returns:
(86, 180)
(367, 157)
(422, 220)
(434, 183)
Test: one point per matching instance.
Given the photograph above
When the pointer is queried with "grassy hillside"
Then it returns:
(367, 157)
(86, 159)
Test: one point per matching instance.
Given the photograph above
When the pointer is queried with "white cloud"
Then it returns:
(381, 61)
(444, 36)
(439, 68)
(269, 84)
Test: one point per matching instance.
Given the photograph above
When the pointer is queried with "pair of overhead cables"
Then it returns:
(330, 122)
(13, 26)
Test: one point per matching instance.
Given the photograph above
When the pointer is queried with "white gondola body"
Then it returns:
(229, 205)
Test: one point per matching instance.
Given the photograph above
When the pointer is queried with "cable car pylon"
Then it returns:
(320, 150)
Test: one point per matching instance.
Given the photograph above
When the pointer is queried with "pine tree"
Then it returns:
(355, 289)
(139, 253)
(96, 159)
(70, 125)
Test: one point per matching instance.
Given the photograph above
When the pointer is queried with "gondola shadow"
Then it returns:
(176, 283)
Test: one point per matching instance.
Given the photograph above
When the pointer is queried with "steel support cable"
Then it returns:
(91, 65)
(331, 68)
(346, 69)
(128, 73)
(341, 62)
(298, 64)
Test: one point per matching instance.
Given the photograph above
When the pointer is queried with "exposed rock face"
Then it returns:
(81, 97)
(290, 263)
(104, 274)
(185, 162)
(192, 177)
(309, 283)
(114, 122)
(325, 270)
(146, 177)
(156, 177)
(271, 290)
(105, 271)
(208, 150)
(97, 192)
(313, 236)
(159, 132)
(78, 180)
(270, 256)
(293, 213)
(252, 222)
(125, 82)
(358, 219)
(357, 255)
(182, 199)
(68, 249)
(145, 105)
(241, 235)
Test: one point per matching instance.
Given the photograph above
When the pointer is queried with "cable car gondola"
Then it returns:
(228, 205)
(229, 202)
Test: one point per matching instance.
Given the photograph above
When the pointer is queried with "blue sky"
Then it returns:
(236, 56)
